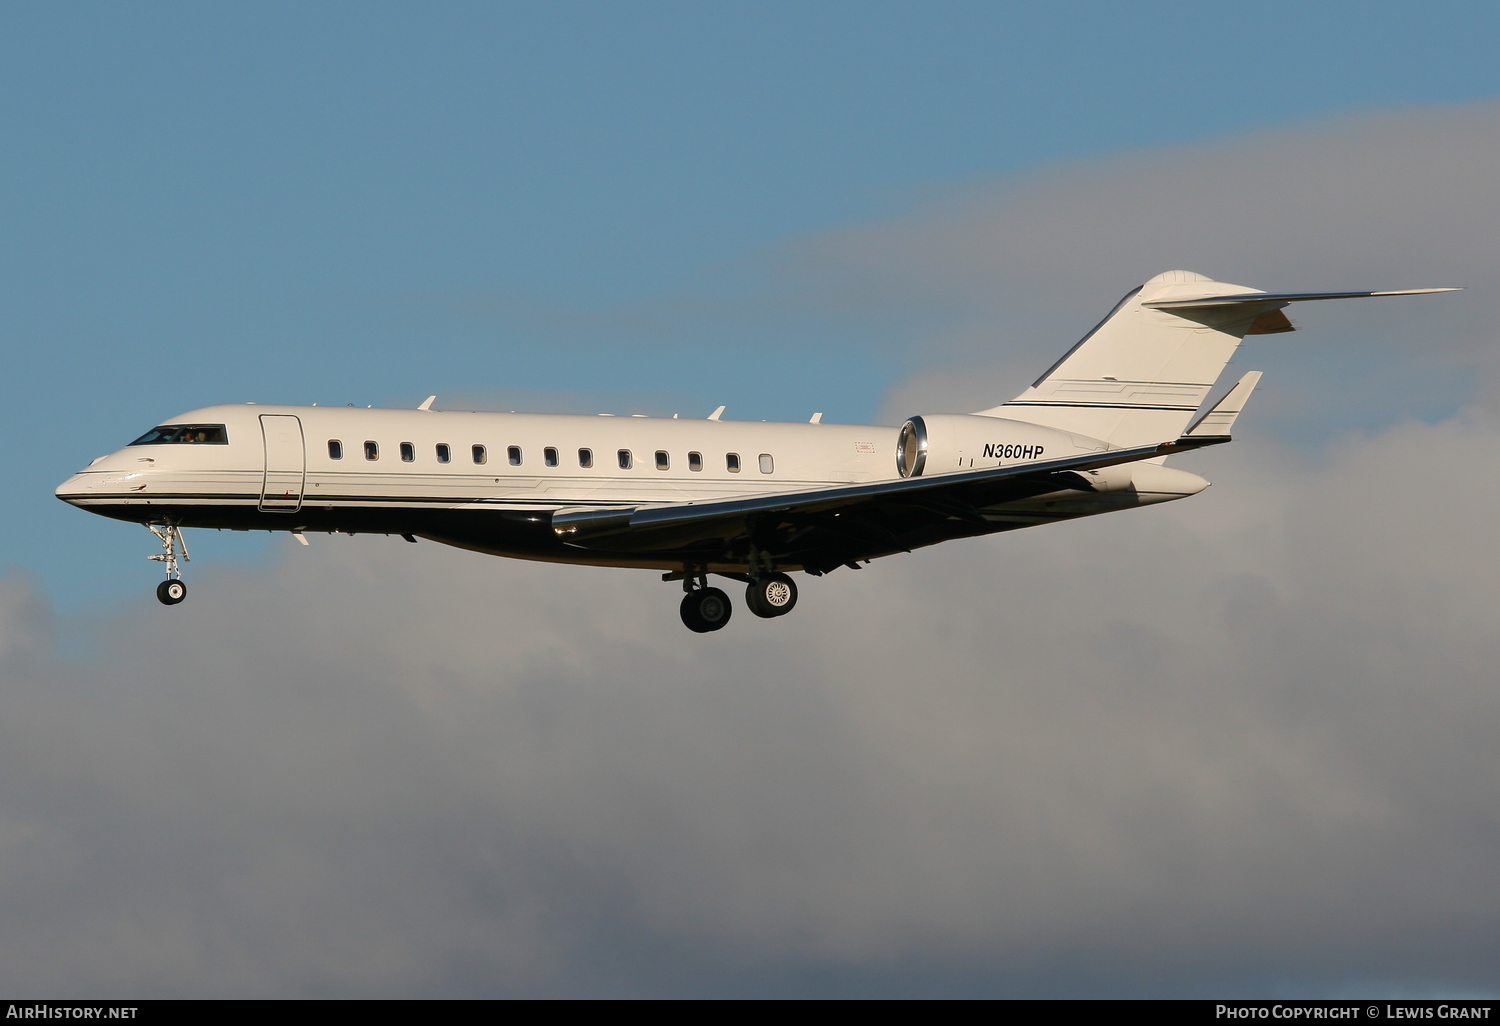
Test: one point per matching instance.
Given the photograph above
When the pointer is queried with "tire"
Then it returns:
(706, 609)
(772, 595)
(752, 601)
(169, 593)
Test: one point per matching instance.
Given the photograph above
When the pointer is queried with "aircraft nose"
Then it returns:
(72, 489)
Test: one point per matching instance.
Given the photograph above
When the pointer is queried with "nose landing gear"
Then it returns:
(173, 590)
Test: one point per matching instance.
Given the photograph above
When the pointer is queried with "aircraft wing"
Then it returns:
(848, 519)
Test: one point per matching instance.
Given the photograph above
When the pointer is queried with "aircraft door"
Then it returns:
(286, 463)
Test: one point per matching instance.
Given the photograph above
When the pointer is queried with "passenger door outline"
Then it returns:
(286, 463)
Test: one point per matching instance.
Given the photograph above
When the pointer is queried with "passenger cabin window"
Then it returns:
(335, 449)
(625, 461)
(695, 461)
(408, 452)
(372, 451)
(444, 454)
(662, 462)
(732, 462)
(585, 458)
(479, 454)
(184, 434)
(767, 465)
(514, 454)
(549, 456)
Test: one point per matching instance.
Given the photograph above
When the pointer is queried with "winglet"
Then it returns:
(1217, 421)
(716, 414)
(427, 403)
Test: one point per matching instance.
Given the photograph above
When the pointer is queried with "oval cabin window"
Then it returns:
(408, 452)
(444, 454)
(372, 451)
(767, 465)
(335, 449)
(479, 454)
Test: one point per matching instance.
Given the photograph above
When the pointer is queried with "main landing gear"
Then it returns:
(771, 595)
(173, 590)
(706, 609)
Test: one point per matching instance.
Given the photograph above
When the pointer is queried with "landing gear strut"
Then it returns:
(172, 590)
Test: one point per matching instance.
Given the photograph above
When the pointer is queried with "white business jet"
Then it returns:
(741, 500)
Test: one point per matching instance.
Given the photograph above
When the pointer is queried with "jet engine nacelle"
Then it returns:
(944, 443)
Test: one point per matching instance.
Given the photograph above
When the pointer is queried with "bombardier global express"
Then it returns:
(746, 501)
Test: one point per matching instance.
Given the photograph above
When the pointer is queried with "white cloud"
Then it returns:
(1243, 741)
(1390, 200)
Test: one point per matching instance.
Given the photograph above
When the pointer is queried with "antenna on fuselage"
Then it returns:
(716, 414)
(427, 403)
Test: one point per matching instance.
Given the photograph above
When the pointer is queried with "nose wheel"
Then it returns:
(172, 590)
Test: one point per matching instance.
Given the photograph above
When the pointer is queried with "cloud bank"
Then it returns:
(1241, 744)
(1024, 268)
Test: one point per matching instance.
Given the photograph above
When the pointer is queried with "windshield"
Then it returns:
(196, 434)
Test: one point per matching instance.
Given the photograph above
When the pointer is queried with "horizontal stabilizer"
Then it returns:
(1247, 298)
(1145, 371)
(1217, 422)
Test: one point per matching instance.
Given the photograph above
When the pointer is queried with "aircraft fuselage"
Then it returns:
(491, 482)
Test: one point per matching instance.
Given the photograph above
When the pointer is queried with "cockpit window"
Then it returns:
(194, 434)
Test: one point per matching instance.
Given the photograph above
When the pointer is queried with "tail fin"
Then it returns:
(1140, 375)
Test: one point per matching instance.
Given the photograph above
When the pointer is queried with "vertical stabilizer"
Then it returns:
(1142, 373)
